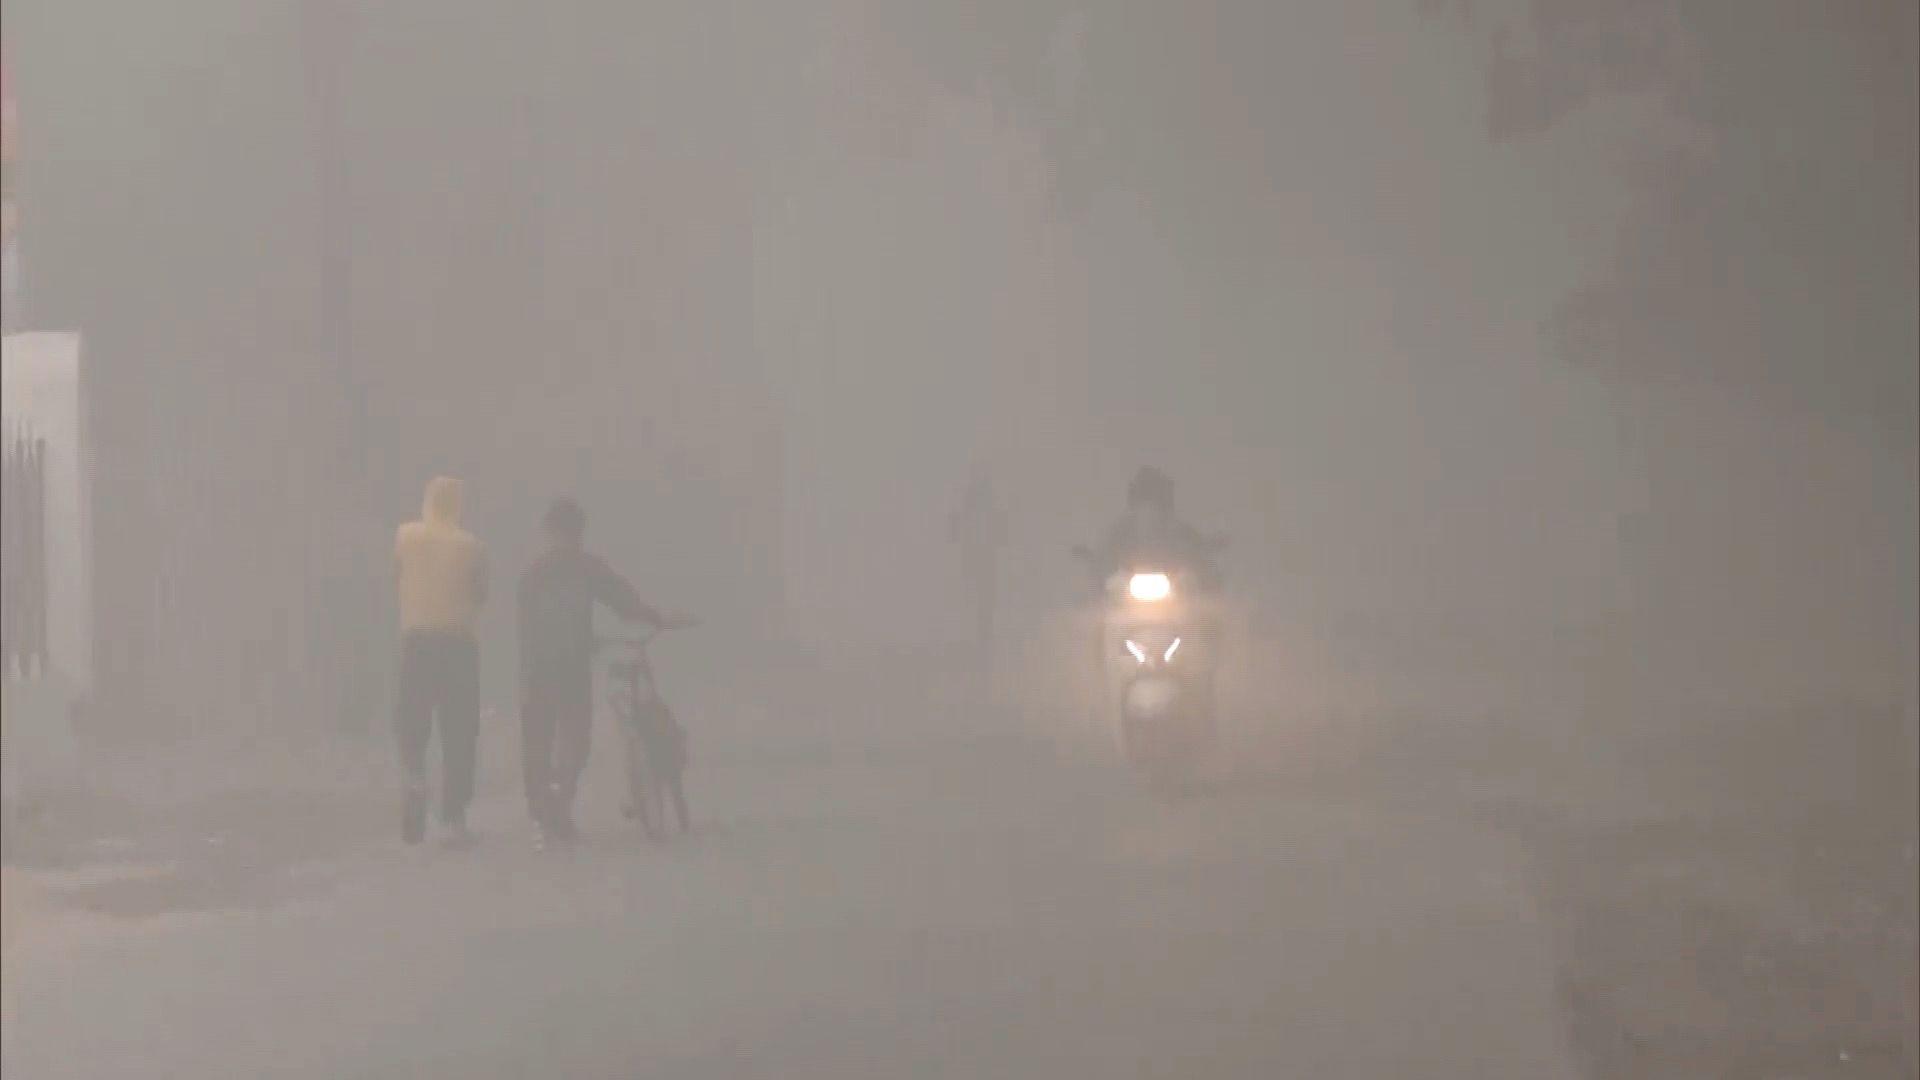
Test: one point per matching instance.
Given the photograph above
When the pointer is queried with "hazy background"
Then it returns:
(1551, 364)
(1502, 338)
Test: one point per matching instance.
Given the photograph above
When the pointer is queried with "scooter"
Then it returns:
(1158, 641)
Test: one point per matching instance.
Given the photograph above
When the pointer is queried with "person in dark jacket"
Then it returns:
(555, 622)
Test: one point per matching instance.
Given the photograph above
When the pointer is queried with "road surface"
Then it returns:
(914, 906)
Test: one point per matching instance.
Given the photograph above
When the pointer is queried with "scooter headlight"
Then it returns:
(1149, 588)
(1139, 654)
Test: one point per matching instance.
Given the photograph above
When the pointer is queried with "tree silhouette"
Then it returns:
(1770, 248)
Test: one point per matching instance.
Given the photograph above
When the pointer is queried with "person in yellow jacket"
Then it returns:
(441, 573)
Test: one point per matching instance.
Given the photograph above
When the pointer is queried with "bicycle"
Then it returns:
(655, 742)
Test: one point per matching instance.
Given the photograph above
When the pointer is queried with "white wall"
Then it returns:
(42, 392)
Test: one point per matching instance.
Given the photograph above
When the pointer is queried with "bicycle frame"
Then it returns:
(653, 741)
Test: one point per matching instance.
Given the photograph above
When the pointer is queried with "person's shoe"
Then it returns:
(458, 835)
(558, 819)
(552, 837)
(413, 814)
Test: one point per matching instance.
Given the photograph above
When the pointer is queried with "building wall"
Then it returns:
(40, 385)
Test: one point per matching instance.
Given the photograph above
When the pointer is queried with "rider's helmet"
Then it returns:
(1151, 488)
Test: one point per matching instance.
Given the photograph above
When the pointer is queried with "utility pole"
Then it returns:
(338, 442)
(326, 31)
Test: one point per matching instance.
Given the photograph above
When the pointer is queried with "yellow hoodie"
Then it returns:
(442, 569)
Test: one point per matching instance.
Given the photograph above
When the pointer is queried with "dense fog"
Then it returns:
(762, 286)
(1547, 365)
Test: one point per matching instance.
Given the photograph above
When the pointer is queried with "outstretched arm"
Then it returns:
(620, 596)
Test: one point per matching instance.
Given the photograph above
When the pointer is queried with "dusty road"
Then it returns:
(917, 906)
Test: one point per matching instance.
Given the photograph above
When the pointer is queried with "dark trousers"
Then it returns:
(983, 620)
(556, 735)
(982, 581)
(440, 678)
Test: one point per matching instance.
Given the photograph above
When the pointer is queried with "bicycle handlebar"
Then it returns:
(640, 640)
(631, 641)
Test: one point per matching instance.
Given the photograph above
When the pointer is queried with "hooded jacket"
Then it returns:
(441, 568)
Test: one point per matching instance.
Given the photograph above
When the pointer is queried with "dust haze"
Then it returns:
(1549, 370)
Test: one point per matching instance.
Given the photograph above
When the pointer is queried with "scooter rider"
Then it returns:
(1151, 535)
(1151, 529)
